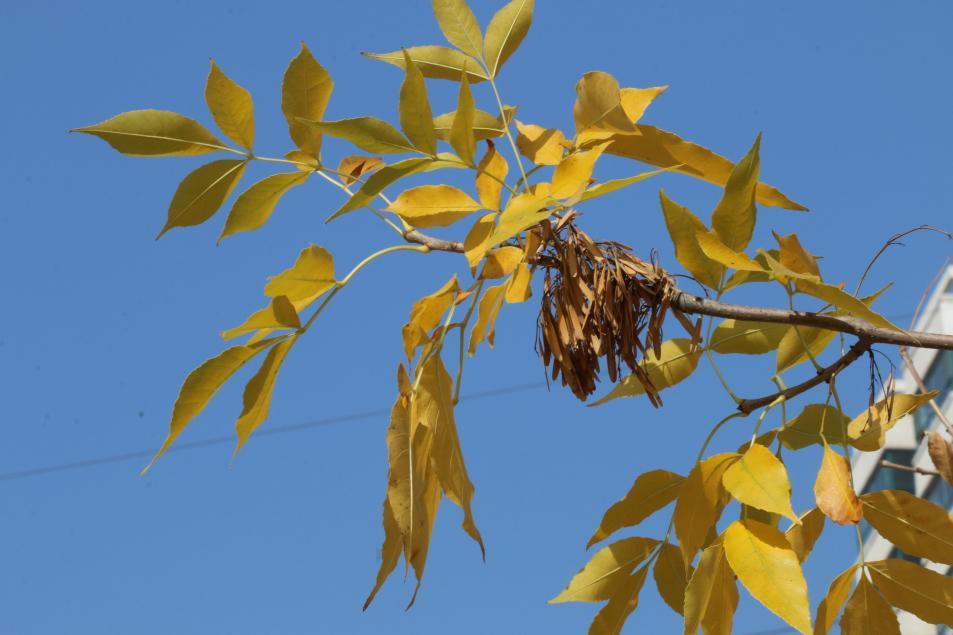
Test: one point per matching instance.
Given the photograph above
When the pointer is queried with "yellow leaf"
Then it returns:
(258, 391)
(913, 524)
(795, 257)
(677, 361)
(833, 602)
(868, 430)
(735, 215)
(231, 107)
(747, 338)
(700, 502)
(304, 162)
(767, 566)
(941, 453)
(202, 384)
(671, 577)
(400, 460)
(601, 189)
(254, 206)
(281, 313)
(607, 571)
(916, 589)
(683, 227)
(202, 192)
(488, 309)
(636, 100)
(845, 301)
(573, 173)
(666, 150)
(426, 314)
(867, 613)
(651, 492)
(523, 211)
(501, 262)
(311, 275)
(416, 118)
(492, 169)
(477, 240)
(461, 130)
(518, 288)
(739, 278)
(485, 125)
(435, 62)
(712, 246)
(305, 91)
(711, 596)
(433, 205)
(611, 617)
(804, 535)
(598, 105)
(354, 167)
(390, 552)
(814, 421)
(367, 133)
(760, 480)
(542, 146)
(791, 349)
(152, 133)
(505, 32)
(459, 26)
(833, 490)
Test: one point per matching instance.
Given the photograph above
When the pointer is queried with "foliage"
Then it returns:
(601, 305)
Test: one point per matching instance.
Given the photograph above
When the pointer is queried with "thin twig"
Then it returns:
(895, 240)
(909, 468)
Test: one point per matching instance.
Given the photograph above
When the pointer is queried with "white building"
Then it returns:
(905, 443)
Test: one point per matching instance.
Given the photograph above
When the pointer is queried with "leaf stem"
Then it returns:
(506, 126)
(463, 328)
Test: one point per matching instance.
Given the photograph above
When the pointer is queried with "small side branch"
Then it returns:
(909, 468)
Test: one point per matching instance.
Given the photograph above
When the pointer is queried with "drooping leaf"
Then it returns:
(767, 566)
(815, 423)
(254, 206)
(941, 453)
(700, 502)
(416, 118)
(804, 535)
(353, 167)
(913, 524)
(834, 492)
(305, 92)
(601, 189)
(759, 479)
(867, 613)
(636, 100)
(501, 262)
(611, 618)
(433, 205)
(735, 215)
(202, 192)
(844, 301)
(683, 227)
(491, 174)
(542, 146)
(868, 430)
(231, 107)
(666, 150)
(435, 62)
(153, 133)
(916, 589)
(477, 241)
(677, 361)
(711, 596)
(607, 571)
(598, 107)
(573, 173)
(505, 33)
(671, 576)
(257, 396)
(834, 601)
(459, 26)
(518, 288)
(390, 552)
(746, 338)
(426, 314)
(367, 133)
(791, 349)
(462, 138)
(489, 308)
(651, 492)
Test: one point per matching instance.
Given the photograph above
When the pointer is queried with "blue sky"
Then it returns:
(102, 322)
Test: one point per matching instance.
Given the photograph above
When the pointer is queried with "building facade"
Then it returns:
(905, 442)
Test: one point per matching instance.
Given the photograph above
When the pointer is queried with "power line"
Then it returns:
(271, 431)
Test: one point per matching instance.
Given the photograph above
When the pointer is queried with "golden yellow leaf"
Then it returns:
(700, 502)
(713, 247)
(254, 206)
(542, 146)
(767, 566)
(804, 535)
(462, 138)
(380, 180)
(435, 62)
(636, 100)
(711, 596)
(795, 257)
(667, 150)
(459, 26)
(477, 241)
(492, 170)
(355, 166)
(257, 396)
(367, 133)
(433, 205)
(671, 577)
(843, 300)
(791, 349)
(484, 328)
(390, 552)
(305, 91)
(202, 192)
(815, 421)
(598, 106)
(416, 118)
(941, 453)
(302, 161)
(504, 33)
(523, 211)
(915, 589)
(735, 215)
(651, 492)
(202, 384)
(833, 602)
(231, 107)
(311, 275)
(683, 228)
(868, 430)
(426, 314)
(573, 173)
(152, 133)
(834, 492)
(913, 524)
(739, 278)
(611, 618)
(601, 189)
(400, 460)
(760, 480)
(485, 125)
(501, 262)
(607, 571)
(518, 288)
(280, 313)
(677, 361)
(747, 338)
(867, 613)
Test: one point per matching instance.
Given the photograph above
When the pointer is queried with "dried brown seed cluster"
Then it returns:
(599, 301)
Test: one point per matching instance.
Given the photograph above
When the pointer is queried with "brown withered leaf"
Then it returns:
(941, 453)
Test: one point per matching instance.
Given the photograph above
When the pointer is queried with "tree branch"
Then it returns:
(908, 468)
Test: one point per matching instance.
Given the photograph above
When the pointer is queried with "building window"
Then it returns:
(939, 377)
(889, 478)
